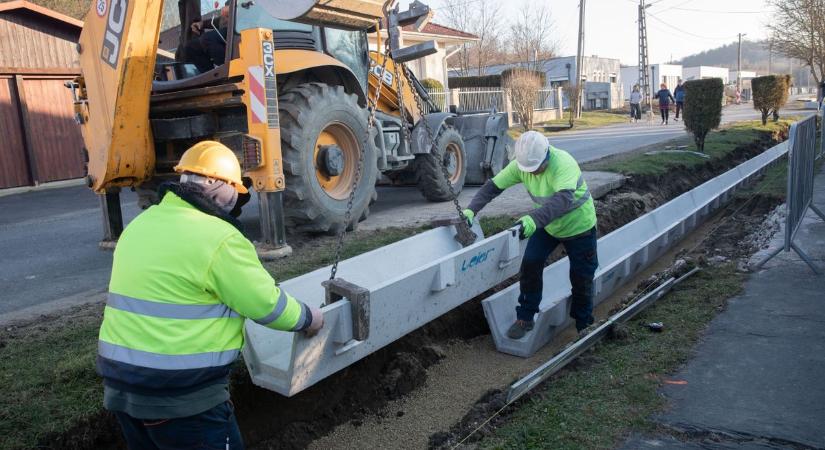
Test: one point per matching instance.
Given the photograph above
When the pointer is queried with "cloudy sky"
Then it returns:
(676, 28)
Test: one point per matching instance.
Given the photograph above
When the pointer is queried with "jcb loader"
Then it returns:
(291, 98)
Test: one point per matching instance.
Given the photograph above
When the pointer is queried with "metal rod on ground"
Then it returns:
(556, 363)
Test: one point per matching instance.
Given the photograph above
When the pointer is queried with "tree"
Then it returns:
(797, 30)
(530, 39)
(703, 108)
(769, 94)
(522, 86)
(483, 19)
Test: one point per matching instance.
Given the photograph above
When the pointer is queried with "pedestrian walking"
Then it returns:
(665, 97)
(564, 214)
(679, 96)
(635, 104)
(183, 280)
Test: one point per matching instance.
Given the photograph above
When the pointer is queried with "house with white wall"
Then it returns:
(447, 41)
(670, 74)
(704, 72)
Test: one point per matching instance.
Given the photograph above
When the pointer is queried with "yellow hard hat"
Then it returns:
(215, 160)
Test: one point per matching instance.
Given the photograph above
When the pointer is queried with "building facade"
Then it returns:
(704, 72)
(602, 78)
(669, 74)
(38, 55)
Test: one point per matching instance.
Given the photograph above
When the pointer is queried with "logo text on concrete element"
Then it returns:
(475, 260)
(114, 31)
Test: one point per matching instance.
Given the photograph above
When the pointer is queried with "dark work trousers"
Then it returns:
(583, 263)
(635, 111)
(665, 112)
(206, 51)
(212, 429)
(679, 106)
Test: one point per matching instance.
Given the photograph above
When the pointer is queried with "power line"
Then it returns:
(716, 12)
(688, 32)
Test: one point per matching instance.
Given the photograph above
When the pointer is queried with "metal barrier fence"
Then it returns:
(802, 154)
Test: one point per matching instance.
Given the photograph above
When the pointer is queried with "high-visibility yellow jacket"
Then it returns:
(182, 283)
(563, 204)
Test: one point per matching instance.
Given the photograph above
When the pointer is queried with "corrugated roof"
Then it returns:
(23, 4)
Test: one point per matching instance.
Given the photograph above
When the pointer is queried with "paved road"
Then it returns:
(588, 145)
(756, 379)
(48, 239)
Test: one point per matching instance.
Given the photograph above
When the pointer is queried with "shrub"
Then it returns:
(522, 87)
(439, 98)
(703, 108)
(431, 83)
(769, 94)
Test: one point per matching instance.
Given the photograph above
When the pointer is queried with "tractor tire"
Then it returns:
(316, 117)
(429, 176)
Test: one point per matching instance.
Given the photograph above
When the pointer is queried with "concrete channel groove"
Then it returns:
(414, 281)
(410, 283)
(622, 254)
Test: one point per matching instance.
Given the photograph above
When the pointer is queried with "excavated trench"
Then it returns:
(269, 420)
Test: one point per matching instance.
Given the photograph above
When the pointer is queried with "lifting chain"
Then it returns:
(372, 106)
(464, 235)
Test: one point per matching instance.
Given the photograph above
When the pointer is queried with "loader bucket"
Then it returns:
(486, 142)
(402, 286)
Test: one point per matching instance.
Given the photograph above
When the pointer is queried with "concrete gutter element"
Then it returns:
(622, 254)
(409, 284)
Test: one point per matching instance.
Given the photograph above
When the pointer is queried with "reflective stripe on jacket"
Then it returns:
(564, 206)
(182, 283)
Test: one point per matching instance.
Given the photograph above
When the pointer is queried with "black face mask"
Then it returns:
(223, 194)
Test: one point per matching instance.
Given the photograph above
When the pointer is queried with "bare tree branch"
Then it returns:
(798, 31)
(531, 35)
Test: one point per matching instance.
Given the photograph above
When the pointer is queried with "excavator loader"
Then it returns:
(291, 98)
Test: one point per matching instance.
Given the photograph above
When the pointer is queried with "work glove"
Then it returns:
(528, 227)
(317, 322)
(470, 215)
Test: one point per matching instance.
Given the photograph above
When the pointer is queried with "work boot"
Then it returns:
(583, 324)
(519, 329)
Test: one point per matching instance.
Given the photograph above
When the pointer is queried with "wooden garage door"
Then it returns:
(55, 138)
(13, 168)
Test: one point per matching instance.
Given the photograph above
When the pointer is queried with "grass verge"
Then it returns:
(613, 388)
(718, 144)
(589, 119)
(47, 367)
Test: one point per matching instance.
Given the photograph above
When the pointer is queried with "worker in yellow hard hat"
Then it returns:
(184, 279)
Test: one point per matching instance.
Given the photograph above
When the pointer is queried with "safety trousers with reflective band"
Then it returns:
(156, 348)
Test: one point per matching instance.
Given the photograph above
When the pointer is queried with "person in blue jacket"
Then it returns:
(679, 96)
(665, 97)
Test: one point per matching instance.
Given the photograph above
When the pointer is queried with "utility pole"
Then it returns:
(770, 57)
(644, 80)
(739, 63)
(579, 60)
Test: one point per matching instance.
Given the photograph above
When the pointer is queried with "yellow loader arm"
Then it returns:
(117, 50)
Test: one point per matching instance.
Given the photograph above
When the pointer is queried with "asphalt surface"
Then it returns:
(756, 379)
(48, 239)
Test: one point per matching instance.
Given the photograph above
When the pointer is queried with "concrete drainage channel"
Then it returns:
(403, 286)
(354, 395)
